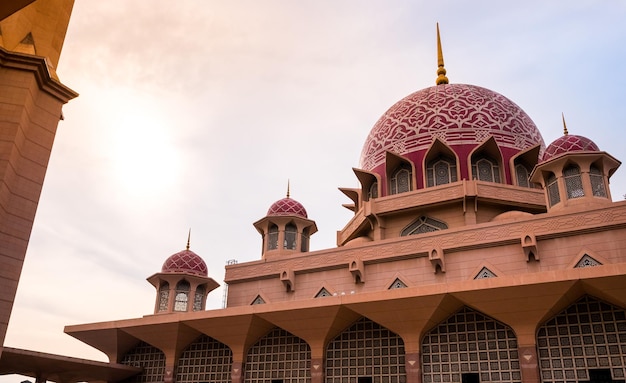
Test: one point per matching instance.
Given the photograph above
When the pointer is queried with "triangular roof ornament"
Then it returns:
(441, 71)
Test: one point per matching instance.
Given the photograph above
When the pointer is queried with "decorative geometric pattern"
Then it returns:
(458, 114)
(258, 300)
(469, 342)
(366, 349)
(278, 356)
(397, 284)
(589, 334)
(148, 357)
(423, 225)
(205, 360)
(287, 206)
(485, 273)
(185, 261)
(587, 261)
(323, 293)
(567, 144)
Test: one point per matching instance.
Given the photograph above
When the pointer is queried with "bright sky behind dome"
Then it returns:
(196, 115)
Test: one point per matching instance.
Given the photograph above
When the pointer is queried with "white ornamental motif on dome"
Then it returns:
(457, 114)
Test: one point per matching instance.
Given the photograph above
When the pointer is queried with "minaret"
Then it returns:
(574, 172)
(183, 283)
(31, 98)
(286, 228)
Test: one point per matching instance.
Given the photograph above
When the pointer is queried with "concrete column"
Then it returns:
(317, 370)
(236, 375)
(528, 363)
(413, 367)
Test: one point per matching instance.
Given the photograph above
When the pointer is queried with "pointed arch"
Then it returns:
(181, 297)
(522, 165)
(164, 296)
(573, 181)
(441, 165)
(290, 358)
(400, 174)
(366, 343)
(552, 186)
(486, 162)
(597, 180)
(291, 236)
(272, 237)
(204, 360)
(580, 338)
(466, 337)
(150, 358)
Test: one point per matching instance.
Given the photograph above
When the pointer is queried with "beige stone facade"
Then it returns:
(31, 98)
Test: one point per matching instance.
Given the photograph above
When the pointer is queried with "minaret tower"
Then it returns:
(574, 171)
(286, 228)
(183, 283)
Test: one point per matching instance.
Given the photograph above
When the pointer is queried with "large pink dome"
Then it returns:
(567, 144)
(460, 115)
(185, 261)
(287, 206)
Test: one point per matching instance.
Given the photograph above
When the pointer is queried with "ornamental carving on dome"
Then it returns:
(569, 143)
(287, 206)
(457, 114)
(185, 261)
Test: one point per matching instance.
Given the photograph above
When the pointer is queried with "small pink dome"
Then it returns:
(185, 261)
(287, 206)
(567, 144)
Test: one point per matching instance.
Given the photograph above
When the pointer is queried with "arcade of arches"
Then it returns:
(584, 342)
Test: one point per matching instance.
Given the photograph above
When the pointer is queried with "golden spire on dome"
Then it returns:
(287, 188)
(441, 71)
(565, 132)
(188, 238)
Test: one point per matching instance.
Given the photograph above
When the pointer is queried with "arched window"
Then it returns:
(441, 171)
(291, 233)
(401, 180)
(485, 169)
(423, 225)
(304, 243)
(198, 299)
(182, 296)
(597, 182)
(573, 182)
(272, 237)
(553, 190)
(522, 174)
(164, 296)
(373, 191)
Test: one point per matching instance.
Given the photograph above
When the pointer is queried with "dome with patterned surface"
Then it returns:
(567, 144)
(461, 116)
(287, 206)
(185, 261)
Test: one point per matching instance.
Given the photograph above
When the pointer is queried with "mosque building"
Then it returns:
(475, 254)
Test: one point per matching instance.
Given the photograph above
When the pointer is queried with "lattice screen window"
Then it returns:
(441, 171)
(589, 334)
(469, 342)
(587, 261)
(485, 169)
(205, 360)
(553, 190)
(597, 182)
(401, 180)
(323, 293)
(397, 284)
(258, 300)
(272, 237)
(164, 296)
(365, 350)
(198, 300)
(278, 356)
(423, 225)
(150, 358)
(522, 174)
(485, 273)
(373, 191)
(573, 182)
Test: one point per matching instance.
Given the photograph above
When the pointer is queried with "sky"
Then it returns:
(196, 116)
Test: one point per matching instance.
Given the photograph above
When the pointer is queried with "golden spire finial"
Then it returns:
(441, 71)
(565, 132)
(287, 188)
(188, 238)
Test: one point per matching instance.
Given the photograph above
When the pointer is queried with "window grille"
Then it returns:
(401, 181)
(423, 225)
(573, 182)
(278, 355)
(441, 171)
(150, 358)
(164, 296)
(522, 175)
(597, 182)
(205, 360)
(553, 190)
(272, 240)
(485, 169)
